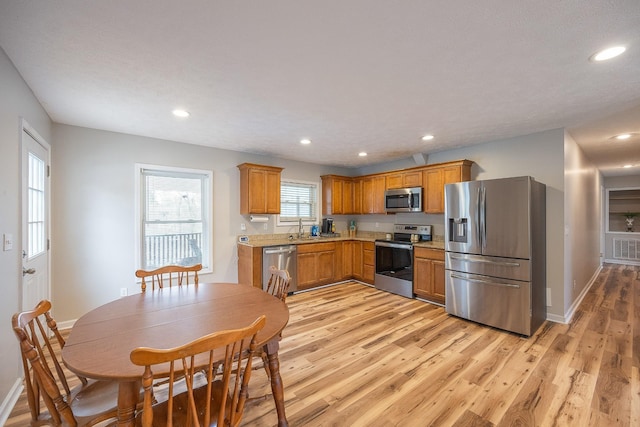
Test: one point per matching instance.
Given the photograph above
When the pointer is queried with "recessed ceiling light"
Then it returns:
(623, 136)
(609, 53)
(180, 113)
(362, 154)
(427, 137)
(305, 141)
(627, 166)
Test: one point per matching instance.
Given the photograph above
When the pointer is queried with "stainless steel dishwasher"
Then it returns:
(283, 258)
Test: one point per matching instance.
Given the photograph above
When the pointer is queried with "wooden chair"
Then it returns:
(169, 273)
(278, 284)
(85, 405)
(224, 357)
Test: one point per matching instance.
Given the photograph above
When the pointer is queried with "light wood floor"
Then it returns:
(354, 356)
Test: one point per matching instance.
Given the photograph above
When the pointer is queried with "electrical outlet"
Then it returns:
(266, 226)
(123, 292)
(377, 225)
(574, 284)
(243, 226)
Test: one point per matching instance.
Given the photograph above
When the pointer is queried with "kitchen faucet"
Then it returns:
(300, 229)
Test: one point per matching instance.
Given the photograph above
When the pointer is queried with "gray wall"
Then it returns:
(582, 222)
(16, 102)
(93, 248)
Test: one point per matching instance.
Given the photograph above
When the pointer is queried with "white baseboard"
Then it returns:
(576, 303)
(621, 261)
(68, 324)
(10, 401)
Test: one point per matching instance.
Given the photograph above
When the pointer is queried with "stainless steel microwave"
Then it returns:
(403, 200)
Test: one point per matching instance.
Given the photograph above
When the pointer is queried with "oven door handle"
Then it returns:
(395, 245)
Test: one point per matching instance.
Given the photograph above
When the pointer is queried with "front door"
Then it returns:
(35, 218)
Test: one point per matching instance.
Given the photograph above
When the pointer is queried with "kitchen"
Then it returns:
(94, 228)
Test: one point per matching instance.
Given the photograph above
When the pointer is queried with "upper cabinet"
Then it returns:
(337, 195)
(343, 195)
(404, 179)
(259, 189)
(434, 179)
(373, 188)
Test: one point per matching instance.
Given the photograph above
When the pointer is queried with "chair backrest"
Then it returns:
(170, 274)
(38, 351)
(224, 357)
(278, 284)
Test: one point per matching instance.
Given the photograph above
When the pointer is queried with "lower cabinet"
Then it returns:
(250, 266)
(344, 260)
(316, 264)
(364, 261)
(429, 276)
(369, 262)
(358, 265)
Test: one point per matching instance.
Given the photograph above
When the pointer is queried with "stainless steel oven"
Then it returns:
(394, 259)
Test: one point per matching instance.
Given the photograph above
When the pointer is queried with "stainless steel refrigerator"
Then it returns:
(495, 242)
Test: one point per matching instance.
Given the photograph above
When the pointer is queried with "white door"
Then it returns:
(35, 218)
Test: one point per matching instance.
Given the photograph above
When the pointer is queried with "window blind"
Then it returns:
(298, 200)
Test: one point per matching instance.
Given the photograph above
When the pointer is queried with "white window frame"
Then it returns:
(207, 260)
(316, 184)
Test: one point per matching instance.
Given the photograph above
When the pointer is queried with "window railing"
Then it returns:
(177, 249)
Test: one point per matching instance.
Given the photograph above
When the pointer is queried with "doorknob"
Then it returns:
(26, 271)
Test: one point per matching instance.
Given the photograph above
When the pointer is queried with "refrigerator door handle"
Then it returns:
(484, 282)
(484, 261)
(478, 217)
(483, 216)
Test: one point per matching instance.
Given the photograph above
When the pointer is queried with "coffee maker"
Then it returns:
(327, 226)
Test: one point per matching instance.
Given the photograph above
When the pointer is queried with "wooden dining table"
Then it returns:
(101, 341)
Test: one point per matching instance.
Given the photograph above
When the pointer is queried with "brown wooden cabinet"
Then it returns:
(344, 260)
(358, 264)
(250, 266)
(259, 189)
(369, 262)
(428, 274)
(337, 195)
(373, 188)
(365, 194)
(315, 264)
(435, 178)
(357, 196)
(404, 179)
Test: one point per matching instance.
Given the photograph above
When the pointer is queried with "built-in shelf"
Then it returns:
(620, 202)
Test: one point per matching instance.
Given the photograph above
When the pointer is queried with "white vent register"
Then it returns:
(627, 249)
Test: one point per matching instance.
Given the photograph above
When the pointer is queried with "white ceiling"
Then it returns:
(355, 75)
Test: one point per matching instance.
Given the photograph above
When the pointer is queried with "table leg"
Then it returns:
(128, 392)
(271, 348)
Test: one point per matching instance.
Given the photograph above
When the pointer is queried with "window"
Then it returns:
(36, 232)
(175, 216)
(298, 200)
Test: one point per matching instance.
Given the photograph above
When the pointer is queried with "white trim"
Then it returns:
(10, 400)
(26, 127)
(576, 303)
(622, 262)
(138, 167)
(67, 324)
(318, 207)
(608, 209)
